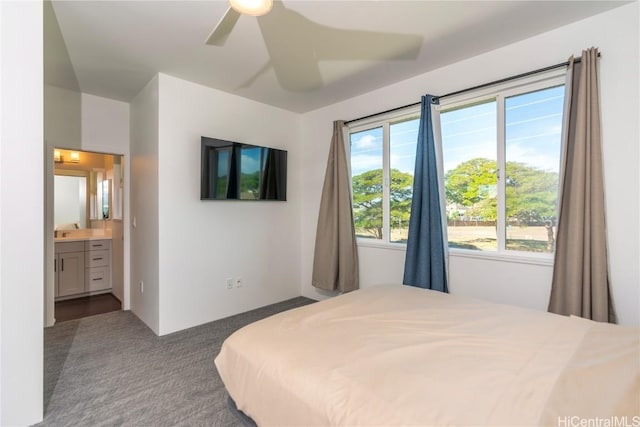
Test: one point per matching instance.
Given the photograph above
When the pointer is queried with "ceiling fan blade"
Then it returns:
(222, 30)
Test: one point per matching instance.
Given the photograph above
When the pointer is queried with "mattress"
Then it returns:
(398, 355)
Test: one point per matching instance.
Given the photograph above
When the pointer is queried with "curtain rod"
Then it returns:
(482, 86)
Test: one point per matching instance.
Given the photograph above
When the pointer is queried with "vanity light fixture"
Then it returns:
(58, 157)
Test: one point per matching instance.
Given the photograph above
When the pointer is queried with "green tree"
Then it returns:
(530, 192)
(367, 199)
(250, 185)
(473, 184)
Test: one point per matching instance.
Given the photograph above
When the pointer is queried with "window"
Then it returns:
(501, 161)
(501, 157)
(471, 177)
(382, 164)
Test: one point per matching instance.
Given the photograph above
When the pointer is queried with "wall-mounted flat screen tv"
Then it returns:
(235, 171)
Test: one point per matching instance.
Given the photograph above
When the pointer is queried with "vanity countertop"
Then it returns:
(81, 235)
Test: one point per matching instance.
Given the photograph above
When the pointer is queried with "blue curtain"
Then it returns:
(424, 265)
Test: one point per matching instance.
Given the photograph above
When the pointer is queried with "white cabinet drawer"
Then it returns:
(98, 278)
(92, 245)
(65, 247)
(96, 258)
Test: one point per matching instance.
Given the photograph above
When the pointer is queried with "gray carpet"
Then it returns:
(111, 370)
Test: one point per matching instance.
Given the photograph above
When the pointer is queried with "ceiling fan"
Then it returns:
(237, 7)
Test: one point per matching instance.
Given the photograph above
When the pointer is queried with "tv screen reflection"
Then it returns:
(235, 171)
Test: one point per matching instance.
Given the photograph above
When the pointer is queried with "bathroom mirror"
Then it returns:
(70, 201)
(81, 197)
(99, 200)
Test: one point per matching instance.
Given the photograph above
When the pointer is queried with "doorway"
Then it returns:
(88, 233)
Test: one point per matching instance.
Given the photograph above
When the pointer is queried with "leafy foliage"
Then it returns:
(250, 186)
(469, 182)
(530, 195)
(530, 192)
(367, 200)
(473, 184)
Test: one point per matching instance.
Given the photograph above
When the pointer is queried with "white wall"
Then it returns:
(204, 242)
(62, 117)
(21, 212)
(105, 125)
(105, 129)
(616, 34)
(144, 205)
(58, 70)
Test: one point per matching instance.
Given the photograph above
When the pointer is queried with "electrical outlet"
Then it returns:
(229, 283)
(238, 282)
(141, 286)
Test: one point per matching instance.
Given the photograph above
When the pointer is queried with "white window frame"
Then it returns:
(498, 94)
(383, 121)
(494, 93)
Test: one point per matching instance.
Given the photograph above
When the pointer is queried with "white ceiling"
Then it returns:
(302, 55)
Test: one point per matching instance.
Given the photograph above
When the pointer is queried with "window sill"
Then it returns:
(518, 258)
(382, 245)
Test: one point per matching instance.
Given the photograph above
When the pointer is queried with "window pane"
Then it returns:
(403, 137)
(469, 140)
(533, 123)
(366, 178)
(251, 159)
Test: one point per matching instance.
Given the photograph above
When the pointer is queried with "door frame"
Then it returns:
(49, 243)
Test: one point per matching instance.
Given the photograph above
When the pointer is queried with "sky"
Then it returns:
(533, 128)
(250, 161)
(366, 148)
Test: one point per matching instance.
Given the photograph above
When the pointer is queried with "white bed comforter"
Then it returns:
(397, 355)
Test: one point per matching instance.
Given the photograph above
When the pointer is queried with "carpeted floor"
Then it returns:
(111, 370)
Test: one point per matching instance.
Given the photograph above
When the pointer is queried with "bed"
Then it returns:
(398, 355)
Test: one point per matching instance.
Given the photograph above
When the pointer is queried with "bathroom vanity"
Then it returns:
(82, 266)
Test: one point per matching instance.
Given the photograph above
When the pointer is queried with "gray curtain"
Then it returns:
(580, 275)
(425, 262)
(335, 262)
(273, 180)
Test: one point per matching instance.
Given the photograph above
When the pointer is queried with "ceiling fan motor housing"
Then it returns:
(252, 7)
